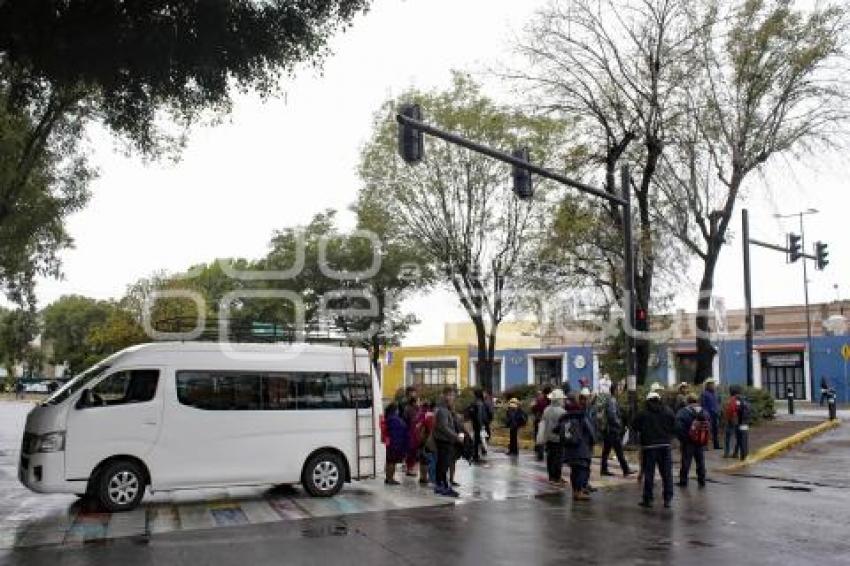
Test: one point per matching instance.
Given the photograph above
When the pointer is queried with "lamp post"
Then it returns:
(801, 214)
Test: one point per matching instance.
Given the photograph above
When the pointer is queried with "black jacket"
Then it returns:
(655, 425)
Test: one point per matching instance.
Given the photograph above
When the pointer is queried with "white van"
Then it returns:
(189, 415)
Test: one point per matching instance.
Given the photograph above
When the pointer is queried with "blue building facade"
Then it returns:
(779, 364)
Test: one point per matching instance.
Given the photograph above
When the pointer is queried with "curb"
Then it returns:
(773, 450)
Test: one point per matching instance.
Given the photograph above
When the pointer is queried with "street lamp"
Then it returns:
(801, 214)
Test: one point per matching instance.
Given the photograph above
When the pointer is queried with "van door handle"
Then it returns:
(151, 423)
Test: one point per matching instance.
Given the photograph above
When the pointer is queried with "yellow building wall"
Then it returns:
(511, 334)
(393, 373)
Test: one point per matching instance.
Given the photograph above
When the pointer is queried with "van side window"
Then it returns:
(219, 391)
(132, 386)
(280, 391)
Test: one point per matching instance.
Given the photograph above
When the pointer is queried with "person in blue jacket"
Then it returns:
(710, 403)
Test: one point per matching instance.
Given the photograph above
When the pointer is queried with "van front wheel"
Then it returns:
(323, 474)
(120, 486)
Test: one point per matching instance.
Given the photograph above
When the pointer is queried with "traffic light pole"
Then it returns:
(806, 293)
(748, 293)
(624, 201)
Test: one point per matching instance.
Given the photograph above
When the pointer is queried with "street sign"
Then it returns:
(845, 352)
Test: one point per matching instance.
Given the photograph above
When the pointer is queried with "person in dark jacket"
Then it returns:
(540, 404)
(477, 414)
(397, 442)
(612, 433)
(515, 419)
(710, 403)
(410, 415)
(489, 413)
(655, 426)
(446, 438)
(691, 451)
(824, 389)
(578, 450)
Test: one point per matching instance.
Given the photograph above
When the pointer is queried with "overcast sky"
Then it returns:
(272, 165)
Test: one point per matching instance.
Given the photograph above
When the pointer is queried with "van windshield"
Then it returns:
(77, 383)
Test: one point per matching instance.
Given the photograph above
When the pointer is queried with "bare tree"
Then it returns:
(770, 82)
(457, 206)
(615, 68)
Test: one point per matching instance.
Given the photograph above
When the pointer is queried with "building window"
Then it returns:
(548, 371)
(431, 373)
(758, 323)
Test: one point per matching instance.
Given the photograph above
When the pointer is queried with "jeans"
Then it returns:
(691, 451)
(615, 442)
(730, 431)
(445, 455)
(714, 422)
(580, 475)
(662, 458)
(742, 440)
(554, 460)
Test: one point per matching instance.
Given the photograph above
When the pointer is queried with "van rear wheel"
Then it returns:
(323, 474)
(120, 486)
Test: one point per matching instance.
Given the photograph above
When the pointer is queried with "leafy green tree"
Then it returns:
(127, 65)
(18, 329)
(457, 207)
(68, 321)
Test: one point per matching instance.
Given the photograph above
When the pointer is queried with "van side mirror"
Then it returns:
(85, 400)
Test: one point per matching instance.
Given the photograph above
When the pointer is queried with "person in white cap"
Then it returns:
(548, 435)
(605, 384)
(655, 425)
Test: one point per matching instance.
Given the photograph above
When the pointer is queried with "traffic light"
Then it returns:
(411, 141)
(641, 321)
(820, 255)
(523, 186)
(794, 248)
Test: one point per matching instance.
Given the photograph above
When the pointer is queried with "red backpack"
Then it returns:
(699, 431)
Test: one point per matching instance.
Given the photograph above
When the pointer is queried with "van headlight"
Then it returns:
(51, 442)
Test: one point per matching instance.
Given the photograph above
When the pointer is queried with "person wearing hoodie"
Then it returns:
(398, 438)
(446, 438)
(579, 436)
(692, 439)
(655, 426)
(710, 403)
(549, 437)
(541, 401)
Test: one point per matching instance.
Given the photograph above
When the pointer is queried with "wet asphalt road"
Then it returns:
(792, 510)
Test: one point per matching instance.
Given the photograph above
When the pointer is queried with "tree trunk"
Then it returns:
(482, 364)
(705, 349)
(491, 356)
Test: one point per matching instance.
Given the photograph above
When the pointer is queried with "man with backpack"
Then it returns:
(736, 418)
(609, 421)
(578, 433)
(693, 430)
(655, 426)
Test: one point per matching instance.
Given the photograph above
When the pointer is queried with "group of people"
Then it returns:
(428, 440)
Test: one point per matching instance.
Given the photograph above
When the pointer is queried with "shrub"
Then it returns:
(521, 392)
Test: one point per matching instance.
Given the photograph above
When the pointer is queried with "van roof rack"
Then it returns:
(253, 331)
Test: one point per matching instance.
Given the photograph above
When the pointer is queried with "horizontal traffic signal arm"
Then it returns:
(505, 157)
(782, 249)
